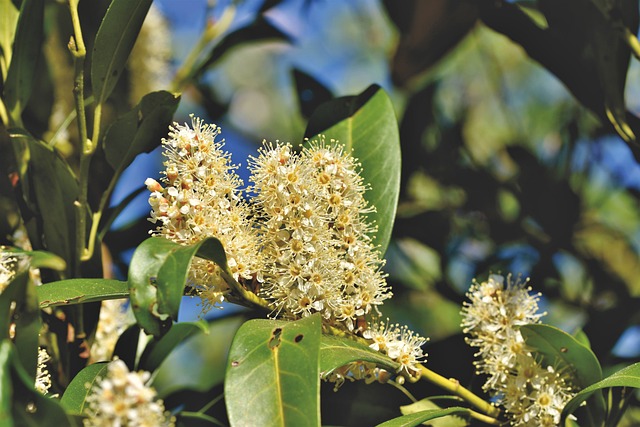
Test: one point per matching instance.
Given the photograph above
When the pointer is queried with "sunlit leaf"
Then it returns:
(8, 21)
(412, 420)
(24, 62)
(429, 405)
(272, 376)
(158, 350)
(157, 277)
(74, 399)
(115, 39)
(627, 377)
(80, 291)
(339, 351)
(564, 352)
(367, 125)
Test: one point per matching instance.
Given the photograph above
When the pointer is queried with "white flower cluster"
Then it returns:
(43, 377)
(318, 252)
(532, 395)
(7, 270)
(303, 243)
(123, 398)
(114, 319)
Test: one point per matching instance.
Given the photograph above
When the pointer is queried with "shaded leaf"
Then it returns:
(27, 406)
(74, 399)
(157, 277)
(128, 346)
(80, 291)
(115, 39)
(367, 125)
(311, 93)
(24, 62)
(140, 130)
(626, 377)
(336, 352)
(158, 350)
(40, 259)
(49, 189)
(272, 375)
(418, 418)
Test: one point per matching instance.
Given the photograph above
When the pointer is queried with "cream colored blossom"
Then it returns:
(531, 393)
(123, 398)
(316, 241)
(114, 319)
(199, 196)
(43, 377)
(7, 270)
(399, 343)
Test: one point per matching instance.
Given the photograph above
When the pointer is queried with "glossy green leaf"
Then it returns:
(367, 125)
(74, 399)
(582, 338)
(24, 62)
(429, 405)
(115, 39)
(80, 291)
(626, 377)
(272, 375)
(40, 259)
(564, 352)
(8, 21)
(140, 130)
(21, 404)
(158, 350)
(412, 420)
(157, 277)
(339, 351)
(50, 190)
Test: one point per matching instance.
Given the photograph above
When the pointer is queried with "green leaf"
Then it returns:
(40, 259)
(564, 352)
(49, 189)
(336, 352)
(27, 406)
(115, 39)
(8, 20)
(158, 350)
(626, 377)
(157, 277)
(418, 418)
(24, 61)
(140, 130)
(128, 346)
(272, 375)
(367, 125)
(582, 338)
(428, 405)
(74, 399)
(80, 291)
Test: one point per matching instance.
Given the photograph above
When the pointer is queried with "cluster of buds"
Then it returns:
(532, 394)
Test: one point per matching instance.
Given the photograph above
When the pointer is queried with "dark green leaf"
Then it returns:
(79, 291)
(367, 125)
(339, 351)
(128, 346)
(272, 375)
(158, 350)
(418, 418)
(157, 277)
(563, 351)
(627, 377)
(24, 61)
(50, 190)
(115, 39)
(8, 20)
(140, 130)
(428, 405)
(74, 398)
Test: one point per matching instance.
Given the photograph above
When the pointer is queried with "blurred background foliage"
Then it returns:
(518, 122)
